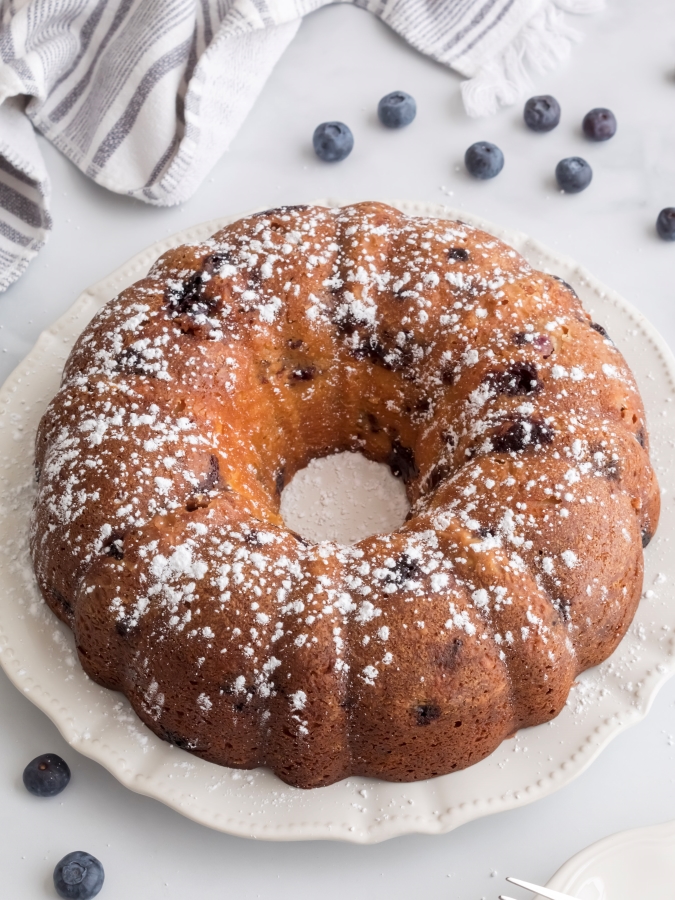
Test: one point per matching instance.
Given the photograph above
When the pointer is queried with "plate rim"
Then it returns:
(564, 878)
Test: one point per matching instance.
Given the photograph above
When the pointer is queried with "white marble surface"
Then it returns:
(340, 64)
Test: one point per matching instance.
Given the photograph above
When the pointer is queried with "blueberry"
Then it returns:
(599, 124)
(46, 776)
(333, 141)
(542, 113)
(665, 224)
(573, 174)
(397, 109)
(484, 160)
(78, 876)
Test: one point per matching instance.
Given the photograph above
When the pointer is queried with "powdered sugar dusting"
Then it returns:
(430, 347)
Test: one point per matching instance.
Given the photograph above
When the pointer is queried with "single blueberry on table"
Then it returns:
(573, 174)
(397, 109)
(78, 876)
(332, 141)
(484, 160)
(542, 113)
(599, 124)
(46, 775)
(665, 223)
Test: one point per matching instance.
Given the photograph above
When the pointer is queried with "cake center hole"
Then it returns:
(344, 498)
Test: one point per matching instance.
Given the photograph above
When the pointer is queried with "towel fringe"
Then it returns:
(542, 44)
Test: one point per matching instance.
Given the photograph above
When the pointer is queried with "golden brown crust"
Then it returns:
(194, 397)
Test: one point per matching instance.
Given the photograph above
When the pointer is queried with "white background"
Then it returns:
(340, 64)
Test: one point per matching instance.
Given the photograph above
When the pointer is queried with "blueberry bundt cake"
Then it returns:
(192, 399)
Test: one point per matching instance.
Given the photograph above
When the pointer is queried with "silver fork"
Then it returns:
(537, 889)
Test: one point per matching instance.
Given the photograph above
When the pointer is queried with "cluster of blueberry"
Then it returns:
(79, 875)
(334, 141)
(541, 114)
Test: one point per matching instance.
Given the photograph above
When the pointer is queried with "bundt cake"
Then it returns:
(192, 399)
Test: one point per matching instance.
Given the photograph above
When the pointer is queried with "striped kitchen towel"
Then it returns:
(145, 95)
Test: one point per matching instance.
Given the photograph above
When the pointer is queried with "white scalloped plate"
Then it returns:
(37, 651)
(627, 865)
